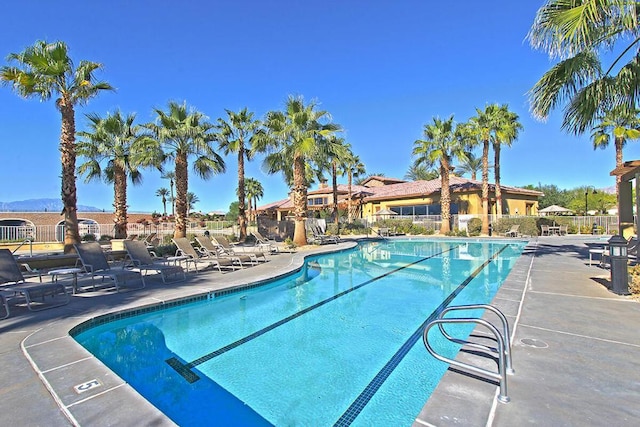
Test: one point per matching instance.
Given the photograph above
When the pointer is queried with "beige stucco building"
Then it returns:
(411, 199)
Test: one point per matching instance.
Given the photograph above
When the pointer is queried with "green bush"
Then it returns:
(457, 233)
(165, 250)
(89, 237)
(528, 226)
(474, 227)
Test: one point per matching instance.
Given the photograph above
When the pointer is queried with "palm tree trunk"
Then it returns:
(299, 194)
(334, 182)
(242, 215)
(120, 201)
(485, 189)
(164, 205)
(496, 171)
(619, 142)
(445, 197)
(68, 159)
(182, 184)
(349, 215)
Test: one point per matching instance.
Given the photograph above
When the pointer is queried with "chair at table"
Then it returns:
(544, 230)
(18, 287)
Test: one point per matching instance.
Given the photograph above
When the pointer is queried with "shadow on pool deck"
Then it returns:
(585, 371)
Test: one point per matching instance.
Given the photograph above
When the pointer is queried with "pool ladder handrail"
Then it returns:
(502, 337)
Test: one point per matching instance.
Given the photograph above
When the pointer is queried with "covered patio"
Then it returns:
(628, 172)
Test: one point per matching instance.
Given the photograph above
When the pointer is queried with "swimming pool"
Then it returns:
(337, 343)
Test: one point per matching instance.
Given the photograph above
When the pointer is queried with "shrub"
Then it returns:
(105, 238)
(89, 237)
(165, 250)
(474, 227)
(528, 225)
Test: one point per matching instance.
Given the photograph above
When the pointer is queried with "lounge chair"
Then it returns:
(141, 259)
(94, 261)
(513, 231)
(320, 238)
(264, 243)
(151, 240)
(209, 249)
(228, 249)
(191, 256)
(10, 273)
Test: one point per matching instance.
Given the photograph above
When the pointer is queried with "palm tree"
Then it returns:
(421, 172)
(118, 142)
(506, 133)
(440, 145)
(623, 125)
(171, 176)
(254, 192)
(232, 136)
(582, 34)
(181, 134)
(483, 126)
(192, 199)
(471, 164)
(163, 192)
(354, 169)
(335, 152)
(45, 70)
(293, 138)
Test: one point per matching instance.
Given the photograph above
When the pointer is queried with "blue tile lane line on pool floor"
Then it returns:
(185, 369)
(372, 388)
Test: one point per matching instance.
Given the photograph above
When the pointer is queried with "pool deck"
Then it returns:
(576, 350)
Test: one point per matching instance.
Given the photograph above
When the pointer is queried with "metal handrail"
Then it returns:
(27, 240)
(504, 363)
(505, 331)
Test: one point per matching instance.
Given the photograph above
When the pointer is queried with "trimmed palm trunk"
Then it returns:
(181, 195)
(485, 189)
(120, 201)
(68, 159)
(334, 182)
(496, 170)
(445, 196)
(349, 179)
(242, 215)
(299, 194)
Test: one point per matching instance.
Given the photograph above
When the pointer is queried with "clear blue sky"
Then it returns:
(381, 68)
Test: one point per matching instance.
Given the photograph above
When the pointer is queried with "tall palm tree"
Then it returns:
(293, 137)
(233, 135)
(171, 176)
(163, 193)
(334, 152)
(621, 124)
(484, 126)
(354, 169)
(440, 145)
(505, 134)
(254, 192)
(117, 141)
(45, 70)
(471, 164)
(192, 199)
(421, 172)
(182, 134)
(583, 33)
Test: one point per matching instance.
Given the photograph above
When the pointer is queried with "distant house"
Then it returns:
(410, 198)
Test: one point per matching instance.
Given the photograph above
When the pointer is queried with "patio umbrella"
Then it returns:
(385, 212)
(554, 209)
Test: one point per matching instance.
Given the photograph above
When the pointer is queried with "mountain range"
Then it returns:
(41, 205)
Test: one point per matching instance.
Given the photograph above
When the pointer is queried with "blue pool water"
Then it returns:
(338, 343)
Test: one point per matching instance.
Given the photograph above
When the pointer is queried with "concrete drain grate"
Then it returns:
(531, 342)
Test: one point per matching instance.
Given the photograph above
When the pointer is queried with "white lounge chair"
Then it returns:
(265, 244)
(141, 259)
(185, 249)
(226, 248)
